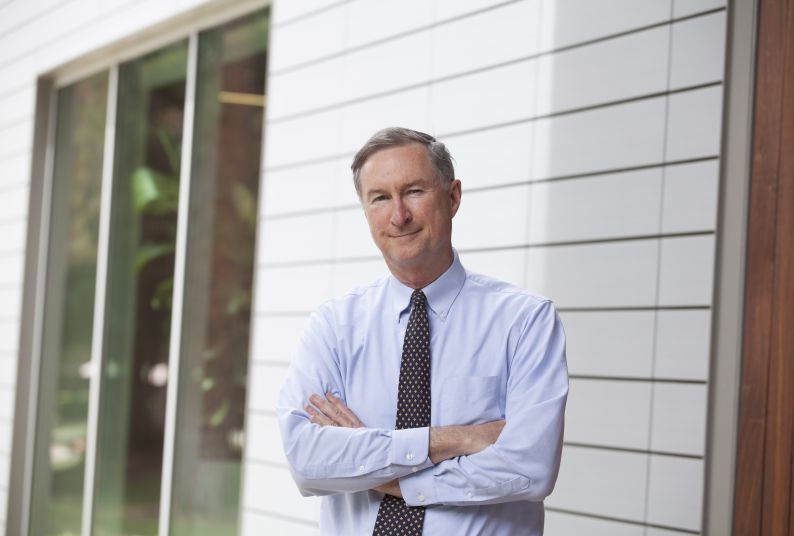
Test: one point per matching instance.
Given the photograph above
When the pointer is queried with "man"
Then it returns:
(430, 401)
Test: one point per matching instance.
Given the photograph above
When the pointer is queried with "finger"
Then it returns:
(316, 417)
(326, 408)
(351, 419)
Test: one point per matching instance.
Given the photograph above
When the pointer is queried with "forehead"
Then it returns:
(397, 165)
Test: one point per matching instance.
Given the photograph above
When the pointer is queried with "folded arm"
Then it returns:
(327, 459)
(445, 442)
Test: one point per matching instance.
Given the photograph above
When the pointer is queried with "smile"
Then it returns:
(406, 234)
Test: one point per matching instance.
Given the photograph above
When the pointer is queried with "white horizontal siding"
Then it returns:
(586, 135)
(508, 33)
(348, 275)
(17, 106)
(16, 171)
(256, 522)
(16, 138)
(13, 204)
(15, 244)
(494, 156)
(682, 8)
(565, 524)
(678, 422)
(8, 375)
(9, 335)
(589, 483)
(609, 413)
(570, 22)
(6, 403)
(276, 338)
(265, 383)
(508, 264)
(262, 440)
(686, 271)
(675, 491)
(610, 343)
(273, 487)
(306, 188)
(5, 437)
(683, 344)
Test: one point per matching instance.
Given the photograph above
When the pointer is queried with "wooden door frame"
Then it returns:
(764, 502)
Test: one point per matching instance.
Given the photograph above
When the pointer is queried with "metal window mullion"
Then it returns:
(26, 485)
(103, 247)
(175, 342)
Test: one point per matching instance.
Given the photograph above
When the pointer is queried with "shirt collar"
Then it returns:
(440, 294)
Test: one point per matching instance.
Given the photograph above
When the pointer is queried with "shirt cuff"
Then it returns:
(419, 489)
(409, 446)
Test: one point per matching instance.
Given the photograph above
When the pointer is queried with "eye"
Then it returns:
(378, 199)
(414, 191)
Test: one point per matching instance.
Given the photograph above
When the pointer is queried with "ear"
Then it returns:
(454, 197)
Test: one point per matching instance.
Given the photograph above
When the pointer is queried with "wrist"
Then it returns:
(449, 442)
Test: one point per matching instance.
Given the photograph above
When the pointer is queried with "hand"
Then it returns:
(391, 488)
(330, 411)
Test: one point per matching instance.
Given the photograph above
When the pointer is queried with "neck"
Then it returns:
(421, 276)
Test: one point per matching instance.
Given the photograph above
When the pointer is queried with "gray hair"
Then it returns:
(398, 137)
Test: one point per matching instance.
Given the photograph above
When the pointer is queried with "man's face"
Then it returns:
(408, 210)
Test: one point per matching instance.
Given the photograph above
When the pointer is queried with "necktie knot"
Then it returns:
(418, 297)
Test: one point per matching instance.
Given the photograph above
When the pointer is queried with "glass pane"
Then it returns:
(219, 273)
(69, 309)
(151, 102)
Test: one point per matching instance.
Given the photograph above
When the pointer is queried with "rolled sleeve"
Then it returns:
(410, 447)
(419, 489)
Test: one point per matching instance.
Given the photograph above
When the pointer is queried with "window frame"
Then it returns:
(184, 26)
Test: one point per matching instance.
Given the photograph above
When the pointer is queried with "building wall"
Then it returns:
(586, 135)
(587, 138)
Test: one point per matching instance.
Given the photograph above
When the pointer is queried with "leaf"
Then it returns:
(144, 188)
(172, 150)
(245, 204)
(154, 192)
(148, 252)
(219, 414)
(162, 294)
(207, 384)
(240, 300)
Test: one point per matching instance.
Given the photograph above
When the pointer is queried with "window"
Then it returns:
(69, 308)
(153, 221)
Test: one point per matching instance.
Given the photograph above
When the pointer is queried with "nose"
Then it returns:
(400, 215)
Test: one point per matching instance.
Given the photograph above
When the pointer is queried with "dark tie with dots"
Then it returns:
(413, 411)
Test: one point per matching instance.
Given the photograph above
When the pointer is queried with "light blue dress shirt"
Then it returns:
(497, 351)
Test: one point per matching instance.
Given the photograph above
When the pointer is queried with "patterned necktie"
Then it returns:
(413, 411)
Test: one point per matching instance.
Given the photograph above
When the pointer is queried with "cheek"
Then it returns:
(375, 220)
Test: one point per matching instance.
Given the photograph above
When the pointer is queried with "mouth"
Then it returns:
(406, 234)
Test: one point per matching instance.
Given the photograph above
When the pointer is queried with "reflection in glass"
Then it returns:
(219, 273)
(69, 309)
(145, 195)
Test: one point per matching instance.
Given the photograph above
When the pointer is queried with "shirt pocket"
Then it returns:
(470, 400)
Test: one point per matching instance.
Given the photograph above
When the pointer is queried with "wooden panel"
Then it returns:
(766, 416)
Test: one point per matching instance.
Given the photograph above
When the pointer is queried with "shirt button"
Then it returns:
(421, 498)
(409, 456)
(361, 468)
(414, 469)
(468, 494)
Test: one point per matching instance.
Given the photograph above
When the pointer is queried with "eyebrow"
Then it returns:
(413, 183)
